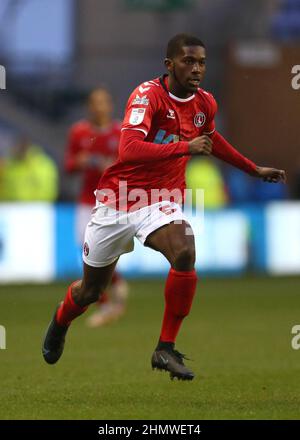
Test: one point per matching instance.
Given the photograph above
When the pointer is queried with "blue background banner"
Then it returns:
(38, 243)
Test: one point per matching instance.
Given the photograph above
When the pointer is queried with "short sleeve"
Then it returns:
(140, 109)
(210, 125)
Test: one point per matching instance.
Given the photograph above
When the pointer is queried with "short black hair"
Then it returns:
(180, 40)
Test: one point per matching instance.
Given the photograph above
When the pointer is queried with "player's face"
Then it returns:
(188, 67)
(100, 104)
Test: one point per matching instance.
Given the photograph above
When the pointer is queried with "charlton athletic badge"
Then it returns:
(86, 249)
(199, 119)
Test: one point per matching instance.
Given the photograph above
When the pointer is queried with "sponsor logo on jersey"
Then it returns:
(171, 114)
(140, 100)
(199, 119)
(162, 138)
(137, 116)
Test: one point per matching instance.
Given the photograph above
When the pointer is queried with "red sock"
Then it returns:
(68, 310)
(179, 293)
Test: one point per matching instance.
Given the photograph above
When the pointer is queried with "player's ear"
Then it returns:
(169, 64)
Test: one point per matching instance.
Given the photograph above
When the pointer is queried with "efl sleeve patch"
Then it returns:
(137, 116)
(140, 111)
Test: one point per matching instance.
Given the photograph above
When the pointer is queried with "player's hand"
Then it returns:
(271, 175)
(201, 145)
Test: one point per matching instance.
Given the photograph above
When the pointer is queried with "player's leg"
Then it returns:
(119, 294)
(112, 306)
(179, 248)
(80, 295)
(86, 291)
(108, 235)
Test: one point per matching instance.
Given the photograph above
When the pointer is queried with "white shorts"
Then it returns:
(83, 216)
(110, 233)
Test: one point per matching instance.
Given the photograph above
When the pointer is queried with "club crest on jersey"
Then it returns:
(137, 116)
(86, 249)
(199, 119)
(140, 100)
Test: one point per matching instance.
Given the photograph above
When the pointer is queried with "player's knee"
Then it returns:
(184, 258)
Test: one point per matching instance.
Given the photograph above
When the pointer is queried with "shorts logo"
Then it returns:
(86, 249)
(199, 119)
(137, 116)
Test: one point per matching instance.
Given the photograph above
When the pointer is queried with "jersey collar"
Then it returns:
(175, 98)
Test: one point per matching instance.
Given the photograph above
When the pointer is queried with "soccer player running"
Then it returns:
(93, 146)
(167, 120)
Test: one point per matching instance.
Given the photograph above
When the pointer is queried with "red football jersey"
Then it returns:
(98, 143)
(162, 124)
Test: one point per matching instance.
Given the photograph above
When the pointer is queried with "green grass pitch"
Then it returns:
(238, 335)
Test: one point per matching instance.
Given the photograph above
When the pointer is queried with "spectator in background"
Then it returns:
(205, 174)
(92, 147)
(28, 174)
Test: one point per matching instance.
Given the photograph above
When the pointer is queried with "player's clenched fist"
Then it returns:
(201, 145)
(271, 175)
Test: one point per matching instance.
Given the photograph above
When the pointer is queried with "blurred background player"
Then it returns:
(92, 147)
(36, 173)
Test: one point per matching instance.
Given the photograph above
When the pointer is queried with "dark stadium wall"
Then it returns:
(262, 108)
(121, 47)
